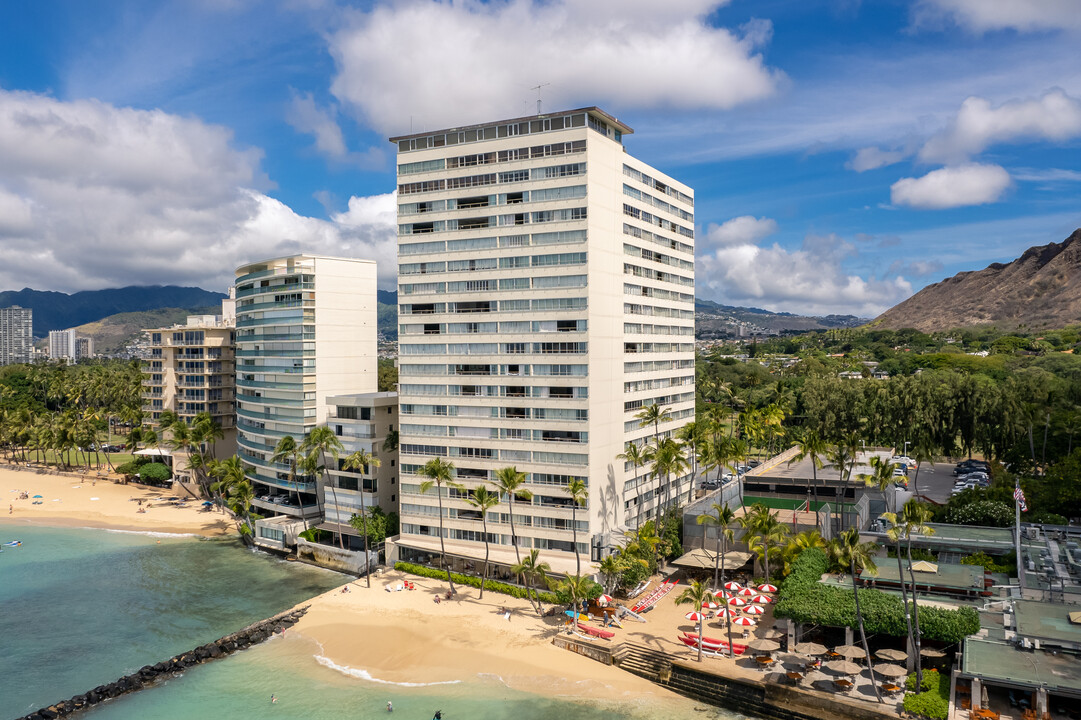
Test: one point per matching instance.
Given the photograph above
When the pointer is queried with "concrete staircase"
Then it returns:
(643, 662)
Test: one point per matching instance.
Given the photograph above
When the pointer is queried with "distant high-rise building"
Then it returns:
(16, 335)
(546, 296)
(62, 345)
(305, 331)
(84, 348)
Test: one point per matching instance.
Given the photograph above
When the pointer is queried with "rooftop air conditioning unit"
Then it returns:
(1032, 532)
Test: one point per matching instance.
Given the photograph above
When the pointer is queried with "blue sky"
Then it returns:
(844, 154)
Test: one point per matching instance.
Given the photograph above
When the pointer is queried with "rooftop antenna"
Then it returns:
(538, 89)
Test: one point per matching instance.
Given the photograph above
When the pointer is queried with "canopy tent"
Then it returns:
(924, 566)
(705, 560)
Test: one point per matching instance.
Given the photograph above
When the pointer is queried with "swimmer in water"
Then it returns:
(273, 698)
(390, 707)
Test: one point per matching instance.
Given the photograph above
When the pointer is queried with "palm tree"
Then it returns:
(797, 544)
(812, 447)
(360, 461)
(842, 456)
(913, 520)
(611, 568)
(322, 441)
(579, 493)
(439, 473)
(689, 435)
(577, 587)
(235, 489)
(763, 532)
(722, 518)
(653, 415)
(637, 455)
(532, 571)
(287, 451)
(697, 594)
(669, 460)
(483, 501)
(925, 451)
(882, 477)
(508, 481)
(849, 551)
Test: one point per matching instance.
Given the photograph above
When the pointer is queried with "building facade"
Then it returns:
(361, 422)
(16, 335)
(62, 345)
(305, 331)
(546, 295)
(191, 370)
(84, 348)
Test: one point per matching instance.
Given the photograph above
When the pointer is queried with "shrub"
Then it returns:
(988, 563)
(314, 534)
(155, 473)
(131, 468)
(988, 513)
(804, 599)
(564, 597)
(934, 701)
(474, 581)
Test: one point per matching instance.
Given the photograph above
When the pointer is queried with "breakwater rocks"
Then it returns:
(148, 675)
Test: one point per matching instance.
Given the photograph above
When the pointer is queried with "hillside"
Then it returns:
(60, 311)
(116, 331)
(1039, 290)
(714, 320)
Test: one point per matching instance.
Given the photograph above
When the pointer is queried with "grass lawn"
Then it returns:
(77, 459)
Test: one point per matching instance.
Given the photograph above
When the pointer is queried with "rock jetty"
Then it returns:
(150, 674)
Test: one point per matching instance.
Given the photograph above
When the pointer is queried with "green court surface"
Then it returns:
(782, 503)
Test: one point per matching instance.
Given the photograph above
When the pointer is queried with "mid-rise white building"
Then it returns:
(62, 345)
(305, 331)
(546, 295)
(16, 335)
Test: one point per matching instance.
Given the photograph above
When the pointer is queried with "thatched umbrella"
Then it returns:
(932, 653)
(763, 645)
(810, 648)
(890, 671)
(843, 667)
(892, 655)
(771, 634)
(850, 652)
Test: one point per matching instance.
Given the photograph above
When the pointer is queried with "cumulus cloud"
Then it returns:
(321, 123)
(739, 231)
(92, 195)
(426, 64)
(1054, 116)
(986, 15)
(950, 187)
(1047, 175)
(872, 158)
(810, 280)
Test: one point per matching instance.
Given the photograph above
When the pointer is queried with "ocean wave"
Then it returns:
(148, 533)
(365, 675)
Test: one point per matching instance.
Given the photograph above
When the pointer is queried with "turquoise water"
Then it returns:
(79, 608)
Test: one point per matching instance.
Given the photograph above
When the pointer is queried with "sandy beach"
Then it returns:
(90, 501)
(406, 637)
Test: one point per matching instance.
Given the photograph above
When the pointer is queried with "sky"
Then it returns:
(844, 154)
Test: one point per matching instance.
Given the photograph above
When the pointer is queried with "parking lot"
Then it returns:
(936, 481)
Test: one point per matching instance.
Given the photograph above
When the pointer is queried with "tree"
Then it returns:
(532, 571)
(721, 518)
(654, 415)
(439, 473)
(637, 455)
(577, 587)
(914, 521)
(812, 447)
(667, 461)
(360, 461)
(322, 441)
(883, 478)
(849, 551)
(697, 594)
(235, 490)
(288, 452)
(611, 568)
(925, 451)
(508, 481)
(483, 501)
(843, 457)
(690, 434)
(579, 494)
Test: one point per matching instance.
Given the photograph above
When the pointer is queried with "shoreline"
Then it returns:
(102, 503)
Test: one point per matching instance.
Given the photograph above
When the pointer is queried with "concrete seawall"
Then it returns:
(150, 674)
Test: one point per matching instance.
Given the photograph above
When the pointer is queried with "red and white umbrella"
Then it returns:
(710, 605)
(737, 602)
(724, 594)
(766, 587)
(694, 616)
(744, 621)
(753, 610)
(732, 585)
(761, 599)
(724, 613)
(745, 592)
(605, 599)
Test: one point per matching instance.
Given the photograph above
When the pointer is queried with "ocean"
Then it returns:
(81, 607)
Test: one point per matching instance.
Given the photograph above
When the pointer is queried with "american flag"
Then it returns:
(1020, 497)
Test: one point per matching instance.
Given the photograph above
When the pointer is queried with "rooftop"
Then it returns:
(1002, 664)
(803, 470)
(1047, 622)
(592, 110)
(954, 577)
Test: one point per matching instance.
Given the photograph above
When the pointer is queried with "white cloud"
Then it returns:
(322, 124)
(1054, 116)
(423, 64)
(871, 158)
(93, 195)
(808, 281)
(917, 268)
(739, 230)
(951, 187)
(1048, 175)
(985, 15)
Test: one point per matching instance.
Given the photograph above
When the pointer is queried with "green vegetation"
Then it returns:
(474, 581)
(933, 701)
(155, 473)
(988, 563)
(388, 375)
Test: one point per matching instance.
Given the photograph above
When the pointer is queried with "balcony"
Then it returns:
(291, 509)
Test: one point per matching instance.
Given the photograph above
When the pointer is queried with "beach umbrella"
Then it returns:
(892, 655)
(932, 653)
(37, 496)
(724, 613)
(766, 587)
(763, 645)
(843, 667)
(811, 648)
(761, 599)
(737, 602)
(730, 585)
(694, 616)
(723, 594)
(890, 671)
(753, 610)
(605, 599)
(771, 634)
(745, 592)
(710, 605)
(744, 621)
(850, 652)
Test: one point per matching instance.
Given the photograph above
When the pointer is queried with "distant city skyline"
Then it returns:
(844, 154)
